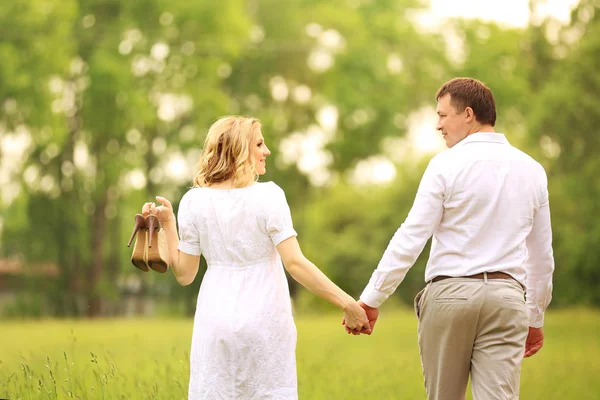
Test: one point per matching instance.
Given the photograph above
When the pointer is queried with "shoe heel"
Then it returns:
(140, 223)
(156, 245)
(153, 226)
(138, 257)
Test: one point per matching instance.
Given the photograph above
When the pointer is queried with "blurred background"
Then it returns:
(105, 104)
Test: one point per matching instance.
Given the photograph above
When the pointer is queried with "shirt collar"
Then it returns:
(489, 137)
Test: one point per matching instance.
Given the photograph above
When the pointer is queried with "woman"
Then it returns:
(244, 339)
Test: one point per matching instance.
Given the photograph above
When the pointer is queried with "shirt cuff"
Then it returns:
(536, 320)
(372, 297)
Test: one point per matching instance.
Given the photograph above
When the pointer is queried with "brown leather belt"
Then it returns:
(490, 275)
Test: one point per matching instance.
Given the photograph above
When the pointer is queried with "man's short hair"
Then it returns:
(469, 92)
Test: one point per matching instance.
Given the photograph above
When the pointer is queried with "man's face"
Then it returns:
(453, 125)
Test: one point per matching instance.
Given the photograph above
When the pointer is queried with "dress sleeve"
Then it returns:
(189, 236)
(279, 217)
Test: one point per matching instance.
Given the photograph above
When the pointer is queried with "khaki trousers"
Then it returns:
(472, 326)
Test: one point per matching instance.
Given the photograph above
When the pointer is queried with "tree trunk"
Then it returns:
(68, 243)
(114, 262)
(98, 234)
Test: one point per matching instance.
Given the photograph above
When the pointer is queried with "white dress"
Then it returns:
(244, 339)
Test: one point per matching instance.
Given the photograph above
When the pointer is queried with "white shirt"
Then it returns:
(486, 205)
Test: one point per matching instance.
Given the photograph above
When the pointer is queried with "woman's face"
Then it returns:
(260, 151)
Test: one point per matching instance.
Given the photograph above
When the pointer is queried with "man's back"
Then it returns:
(492, 192)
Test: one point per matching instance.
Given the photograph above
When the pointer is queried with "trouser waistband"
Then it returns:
(482, 275)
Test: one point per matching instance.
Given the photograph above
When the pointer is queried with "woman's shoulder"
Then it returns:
(271, 195)
(191, 195)
(193, 191)
(270, 187)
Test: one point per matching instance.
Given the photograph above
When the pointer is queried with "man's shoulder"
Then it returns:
(442, 157)
(462, 156)
(447, 159)
(526, 158)
(520, 153)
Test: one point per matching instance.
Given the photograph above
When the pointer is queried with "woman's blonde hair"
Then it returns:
(227, 154)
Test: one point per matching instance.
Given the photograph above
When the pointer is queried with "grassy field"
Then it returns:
(148, 359)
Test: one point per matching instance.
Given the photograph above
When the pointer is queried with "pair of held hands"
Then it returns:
(367, 326)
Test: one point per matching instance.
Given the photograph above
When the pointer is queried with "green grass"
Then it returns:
(148, 359)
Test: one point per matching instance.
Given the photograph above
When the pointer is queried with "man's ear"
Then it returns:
(469, 114)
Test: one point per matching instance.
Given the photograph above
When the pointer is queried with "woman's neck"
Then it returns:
(228, 184)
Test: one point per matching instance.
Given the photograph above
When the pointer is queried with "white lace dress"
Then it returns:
(244, 339)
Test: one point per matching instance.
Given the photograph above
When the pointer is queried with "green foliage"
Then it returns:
(346, 229)
(27, 304)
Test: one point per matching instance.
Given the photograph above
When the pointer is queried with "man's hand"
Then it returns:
(372, 314)
(535, 340)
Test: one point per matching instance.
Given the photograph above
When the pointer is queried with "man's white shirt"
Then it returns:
(486, 204)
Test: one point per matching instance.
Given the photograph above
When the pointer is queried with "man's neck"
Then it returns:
(478, 128)
(481, 128)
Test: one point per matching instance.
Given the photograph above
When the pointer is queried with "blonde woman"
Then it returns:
(244, 338)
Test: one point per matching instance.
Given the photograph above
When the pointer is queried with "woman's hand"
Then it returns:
(355, 320)
(164, 212)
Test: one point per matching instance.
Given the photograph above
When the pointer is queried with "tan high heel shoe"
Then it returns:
(139, 255)
(158, 249)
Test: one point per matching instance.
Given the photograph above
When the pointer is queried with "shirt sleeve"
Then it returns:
(279, 218)
(540, 262)
(409, 240)
(189, 236)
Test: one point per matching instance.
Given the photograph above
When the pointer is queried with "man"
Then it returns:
(486, 205)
